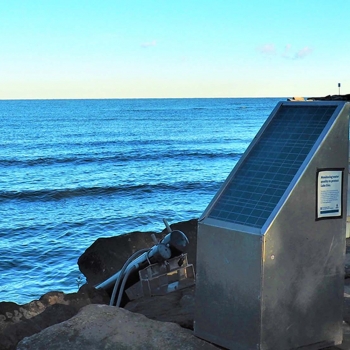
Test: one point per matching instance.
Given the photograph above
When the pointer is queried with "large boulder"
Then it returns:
(106, 256)
(98, 327)
(19, 321)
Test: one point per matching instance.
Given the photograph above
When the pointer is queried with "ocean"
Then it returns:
(72, 171)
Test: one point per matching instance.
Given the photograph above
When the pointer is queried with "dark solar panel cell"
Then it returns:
(261, 180)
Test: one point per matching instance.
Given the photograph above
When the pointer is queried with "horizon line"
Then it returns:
(130, 98)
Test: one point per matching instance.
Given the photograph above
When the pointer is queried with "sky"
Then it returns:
(173, 49)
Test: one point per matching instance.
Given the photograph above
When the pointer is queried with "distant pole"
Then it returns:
(339, 88)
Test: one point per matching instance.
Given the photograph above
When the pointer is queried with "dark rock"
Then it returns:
(177, 307)
(98, 327)
(106, 256)
(19, 321)
(331, 98)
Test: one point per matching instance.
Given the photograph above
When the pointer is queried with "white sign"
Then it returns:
(329, 193)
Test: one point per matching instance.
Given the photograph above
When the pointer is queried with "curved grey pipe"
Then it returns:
(173, 244)
(122, 271)
(122, 287)
(157, 253)
(111, 280)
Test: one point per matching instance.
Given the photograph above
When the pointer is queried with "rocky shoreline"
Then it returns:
(324, 98)
(345, 97)
(83, 320)
(101, 260)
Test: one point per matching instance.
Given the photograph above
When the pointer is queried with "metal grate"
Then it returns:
(261, 180)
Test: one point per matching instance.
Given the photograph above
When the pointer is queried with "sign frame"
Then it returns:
(329, 193)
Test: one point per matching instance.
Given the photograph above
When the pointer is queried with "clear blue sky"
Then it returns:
(173, 48)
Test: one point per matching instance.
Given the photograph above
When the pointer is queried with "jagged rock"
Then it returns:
(19, 321)
(106, 256)
(331, 98)
(98, 327)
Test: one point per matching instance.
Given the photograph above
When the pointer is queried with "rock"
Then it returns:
(19, 321)
(177, 307)
(106, 256)
(98, 327)
(331, 98)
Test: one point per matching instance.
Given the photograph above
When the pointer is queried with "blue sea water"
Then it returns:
(72, 171)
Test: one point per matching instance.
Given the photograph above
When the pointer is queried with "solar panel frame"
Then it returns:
(286, 160)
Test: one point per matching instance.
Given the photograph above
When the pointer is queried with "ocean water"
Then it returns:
(72, 171)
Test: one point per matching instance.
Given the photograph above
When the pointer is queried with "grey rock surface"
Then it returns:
(98, 327)
(177, 307)
(19, 321)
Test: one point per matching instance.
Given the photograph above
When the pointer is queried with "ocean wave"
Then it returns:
(134, 155)
(43, 195)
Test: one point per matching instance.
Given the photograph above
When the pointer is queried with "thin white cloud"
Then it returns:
(267, 49)
(287, 53)
(149, 44)
(305, 51)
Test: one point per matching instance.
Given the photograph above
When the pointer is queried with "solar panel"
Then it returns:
(263, 177)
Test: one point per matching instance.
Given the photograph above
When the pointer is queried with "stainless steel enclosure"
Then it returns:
(271, 244)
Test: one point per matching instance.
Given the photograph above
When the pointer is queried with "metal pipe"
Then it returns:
(122, 287)
(111, 280)
(122, 271)
(157, 253)
(173, 244)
